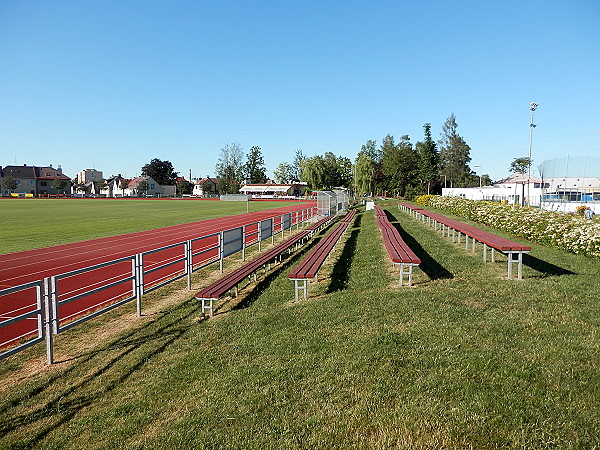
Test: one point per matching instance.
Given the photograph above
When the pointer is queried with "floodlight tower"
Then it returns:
(532, 107)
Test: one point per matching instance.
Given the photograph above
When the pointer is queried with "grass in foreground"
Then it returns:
(35, 223)
(464, 359)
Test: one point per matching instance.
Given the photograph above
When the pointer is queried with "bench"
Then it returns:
(219, 288)
(309, 267)
(400, 253)
(513, 250)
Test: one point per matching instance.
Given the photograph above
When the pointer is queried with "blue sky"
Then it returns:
(112, 84)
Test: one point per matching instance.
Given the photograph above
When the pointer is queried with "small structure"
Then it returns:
(273, 190)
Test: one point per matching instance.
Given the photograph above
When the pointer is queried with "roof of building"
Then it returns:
(42, 173)
(519, 178)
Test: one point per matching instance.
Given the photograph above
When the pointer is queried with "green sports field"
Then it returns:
(36, 223)
(464, 359)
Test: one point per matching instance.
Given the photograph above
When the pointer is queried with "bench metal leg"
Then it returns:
(206, 306)
(485, 252)
(518, 261)
(300, 286)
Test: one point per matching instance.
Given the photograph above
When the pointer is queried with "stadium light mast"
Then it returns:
(532, 107)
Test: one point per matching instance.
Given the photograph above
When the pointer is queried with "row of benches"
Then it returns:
(399, 252)
(224, 285)
(455, 230)
(309, 267)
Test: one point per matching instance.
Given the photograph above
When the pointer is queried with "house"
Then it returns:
(115, 186)
(273, 190)
(145, 186)
(36, 181)
(203, 183)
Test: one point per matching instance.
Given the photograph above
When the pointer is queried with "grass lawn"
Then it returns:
(35, 223)
(464, 359)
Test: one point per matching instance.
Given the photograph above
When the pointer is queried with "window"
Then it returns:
(151, 185)
(31, 183)
(44, 183)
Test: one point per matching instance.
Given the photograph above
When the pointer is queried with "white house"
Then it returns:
(200, 184)
(153, 189)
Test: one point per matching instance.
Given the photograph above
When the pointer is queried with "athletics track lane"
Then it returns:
(24, 267)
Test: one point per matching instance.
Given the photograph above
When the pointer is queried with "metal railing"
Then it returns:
(63, 301)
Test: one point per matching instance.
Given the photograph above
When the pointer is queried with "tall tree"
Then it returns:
(296, 167)
(370, 149)
(254, 169)
(313, 172)
(454, 155)
(283, 173)
(230, 169)
(428, 162)
(363, 173)
(161, 171)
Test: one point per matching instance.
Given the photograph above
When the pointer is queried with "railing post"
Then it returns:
(139, 282)
(47, 311)
(243, 242)
(189, 263)
(221, 252)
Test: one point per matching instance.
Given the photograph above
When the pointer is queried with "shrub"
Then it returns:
(563, 231)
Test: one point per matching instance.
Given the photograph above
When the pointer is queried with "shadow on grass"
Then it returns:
(135, 350)
(340, 273)
(429, 266)
(544, 267)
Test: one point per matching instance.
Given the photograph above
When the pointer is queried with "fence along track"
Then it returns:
(62, 301)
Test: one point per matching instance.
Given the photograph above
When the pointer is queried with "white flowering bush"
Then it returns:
(572, 233)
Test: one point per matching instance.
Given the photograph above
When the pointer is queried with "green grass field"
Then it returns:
(35, 223)
(464, 359)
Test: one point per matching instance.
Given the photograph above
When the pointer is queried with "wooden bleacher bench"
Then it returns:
(309, 267)
(222, 286)
(400, 253)
(513, 250)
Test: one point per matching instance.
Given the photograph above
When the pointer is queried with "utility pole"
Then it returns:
(532, 107)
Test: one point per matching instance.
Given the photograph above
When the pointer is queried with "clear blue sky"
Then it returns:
(112, 84)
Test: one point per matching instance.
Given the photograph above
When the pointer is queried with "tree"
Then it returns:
(206, 188)
(142, 186)
(184, 187)
(283, 173)
(254, 169)
(428, 161)
(230, 169)
(101, 184)
(161, 171)
(123, 185)
(313, 172)
(399, 165)
(454, 155)
(520, 165)
(296, 167)
(363, 173)
(59, 184)
(9, 183)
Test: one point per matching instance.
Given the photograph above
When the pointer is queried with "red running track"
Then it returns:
(32, 265)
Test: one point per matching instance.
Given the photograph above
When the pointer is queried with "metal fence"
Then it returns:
(55, 304)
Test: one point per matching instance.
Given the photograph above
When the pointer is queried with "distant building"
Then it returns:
(201, 184)
(36, 181)
(273, 190)
(87, 176)
(135, 188)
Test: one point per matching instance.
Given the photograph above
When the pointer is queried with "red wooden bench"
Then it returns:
(455, 229)
(309, 267)
(219, 288)
(400, 253)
